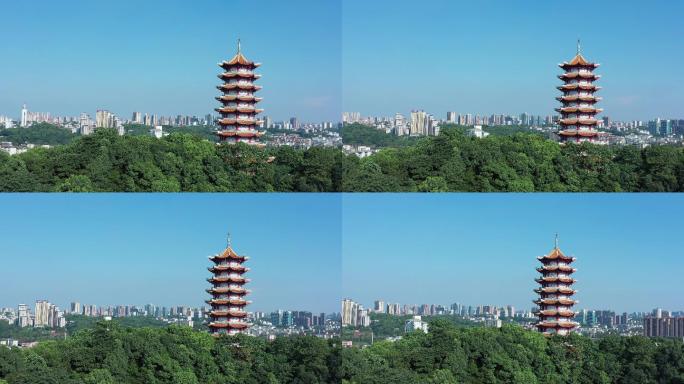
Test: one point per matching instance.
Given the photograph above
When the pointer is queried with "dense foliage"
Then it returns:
(448, 354)
(76, 323)
(384, 325)
(38, 134)
(105, 161)
(449, 162)
(522, 162)
(12, 331)
(203, 131)
(108, 354)
(359, 134)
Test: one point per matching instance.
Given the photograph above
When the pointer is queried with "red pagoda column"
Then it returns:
(578, 110)
(555, 300)
(228, 302)
(238, 119)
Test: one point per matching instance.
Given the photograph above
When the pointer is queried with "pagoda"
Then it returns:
(578, 110)
(227, 315)
(555, 300)
(238, 119)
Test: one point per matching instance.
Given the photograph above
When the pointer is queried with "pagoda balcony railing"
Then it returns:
(240, 82)
(233, 264)
(231, 320)
(581, 70)
(581, 81)
(228, 275)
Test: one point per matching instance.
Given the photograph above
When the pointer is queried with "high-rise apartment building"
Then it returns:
(348, 312)
(419, 123)
(41, 313)
(24, 117)
(75, 308)
(671, 327)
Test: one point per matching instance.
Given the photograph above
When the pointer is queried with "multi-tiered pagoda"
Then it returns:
(578, 110)
(555, 294)
(238, 119)
(228, 302)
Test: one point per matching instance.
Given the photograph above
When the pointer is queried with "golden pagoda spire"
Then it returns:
(556, 242)
(579, 47)
(229, 240)
(238, 46)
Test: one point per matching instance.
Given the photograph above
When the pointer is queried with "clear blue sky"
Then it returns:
(150, 248)
(160, 56)
(482, 248)
(501, 56)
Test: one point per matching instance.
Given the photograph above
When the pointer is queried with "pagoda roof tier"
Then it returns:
(570, 87)
(554, 313)
(243, 134)
(238, 109)
(579, 132)
(581, 75)
(228, 314)
(576, 121)
(557, 324)
(235, 302)
(555, 301)
(239, 59)
(554, 268)
(244, 87)
(237, 74)
(555, 279)
(228, 279)
(579, 109)
(556, 254)
(234, 290)
(227, 98)
(228, 267)
(228, 254)
(578, 61)
(563, 290)
(228, 121)
(587, 98)
(237, 62)
(229, 325)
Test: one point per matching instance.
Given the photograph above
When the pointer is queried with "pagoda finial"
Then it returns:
(579, 46)
(229, 240)
(239, 48)
(556, 242)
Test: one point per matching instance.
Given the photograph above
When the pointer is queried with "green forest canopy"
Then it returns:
(451, 161)
(108, 353)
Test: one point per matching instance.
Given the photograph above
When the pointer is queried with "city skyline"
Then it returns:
(162, 56)
(154, 248)
(481, 57)
(483, 249)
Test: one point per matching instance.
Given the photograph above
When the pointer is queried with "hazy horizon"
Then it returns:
(322, 58)
(481, 249)
(500, 57)
(125, 249)
(160, 57)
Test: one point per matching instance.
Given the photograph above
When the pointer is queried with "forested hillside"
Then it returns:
(448, 354)
(521, 163)
(451, 161)
(105, 162)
